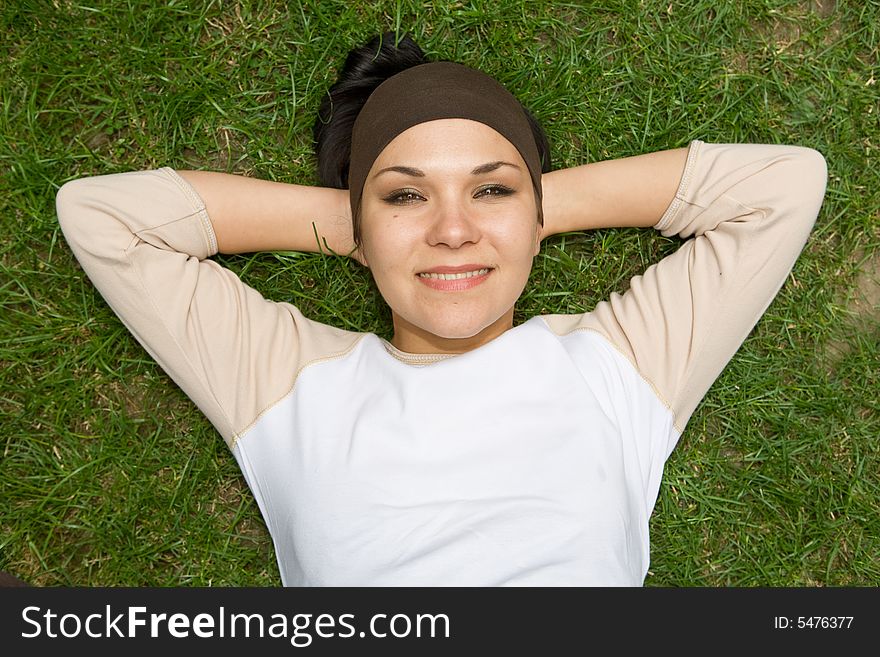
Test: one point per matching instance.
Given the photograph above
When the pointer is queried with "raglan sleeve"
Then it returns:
(144, 239)
(745, 212)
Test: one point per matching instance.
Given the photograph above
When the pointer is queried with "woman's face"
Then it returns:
(449, 230)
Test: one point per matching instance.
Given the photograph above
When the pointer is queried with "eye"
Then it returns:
(403, 197)
(493, 191)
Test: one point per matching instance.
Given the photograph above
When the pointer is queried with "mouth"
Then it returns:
(457, 276)
(455, 279)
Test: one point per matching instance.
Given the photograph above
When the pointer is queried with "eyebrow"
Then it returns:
(418, 173)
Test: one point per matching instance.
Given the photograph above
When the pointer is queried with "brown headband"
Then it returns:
(437, 90)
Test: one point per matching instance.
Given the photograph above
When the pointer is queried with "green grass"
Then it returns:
(110, 476)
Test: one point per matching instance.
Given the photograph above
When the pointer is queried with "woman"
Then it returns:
(465, 451)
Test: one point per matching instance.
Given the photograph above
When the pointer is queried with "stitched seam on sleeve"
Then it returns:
(187, 189)
(237, 435)
(198, 205)
(683, 185)
(607, 339)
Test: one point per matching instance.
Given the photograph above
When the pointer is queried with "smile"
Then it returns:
(455, 277)
(456, 281)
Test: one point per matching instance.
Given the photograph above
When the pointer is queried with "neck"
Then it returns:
(415, 340)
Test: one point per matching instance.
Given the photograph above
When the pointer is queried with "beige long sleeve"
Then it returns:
(746, 211)
(144, 239)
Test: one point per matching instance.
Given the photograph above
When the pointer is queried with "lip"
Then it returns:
(455, 285)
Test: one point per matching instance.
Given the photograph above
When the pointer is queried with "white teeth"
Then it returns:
(455, 277)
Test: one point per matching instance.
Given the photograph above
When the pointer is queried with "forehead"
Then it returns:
(446, 141)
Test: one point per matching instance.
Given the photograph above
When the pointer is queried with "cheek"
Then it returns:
(519, 244)
(386, 243)
(520, 232)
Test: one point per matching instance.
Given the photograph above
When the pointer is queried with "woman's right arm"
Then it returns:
(145, 239)
(250, 215)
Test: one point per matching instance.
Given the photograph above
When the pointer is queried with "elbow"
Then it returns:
(81, 210)
(815, 167)
(69, 203)
(808, 172)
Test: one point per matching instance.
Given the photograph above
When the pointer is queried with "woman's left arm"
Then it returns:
(745, 212)
(621, 193)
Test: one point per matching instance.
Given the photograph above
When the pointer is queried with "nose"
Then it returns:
(454, 224)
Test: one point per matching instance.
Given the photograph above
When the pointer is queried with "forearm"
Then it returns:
(627, 192)
(251, 215)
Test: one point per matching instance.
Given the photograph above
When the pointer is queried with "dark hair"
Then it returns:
(365, 69)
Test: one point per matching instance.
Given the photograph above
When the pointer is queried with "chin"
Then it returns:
(457, 328)
(468, 321)
(457, 334)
